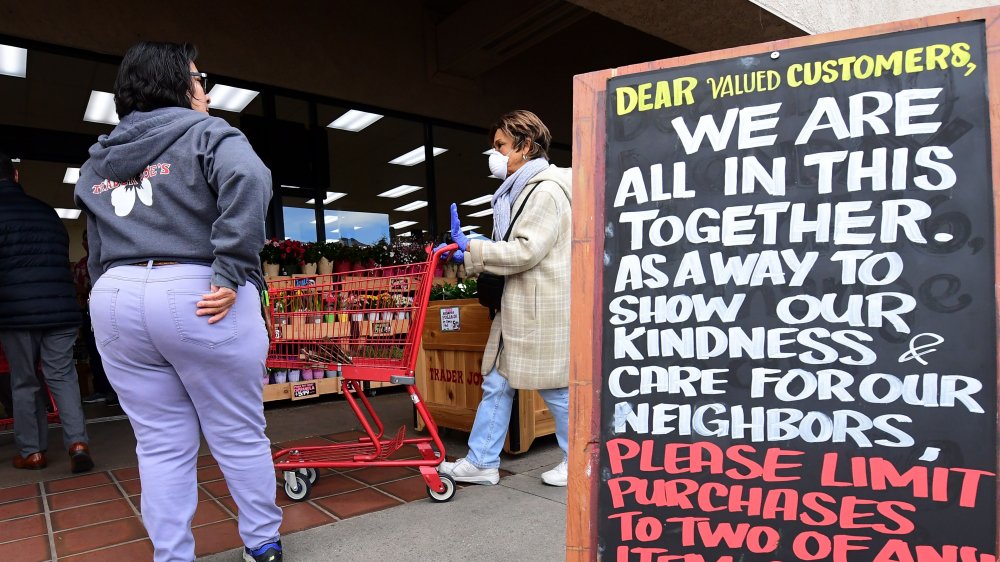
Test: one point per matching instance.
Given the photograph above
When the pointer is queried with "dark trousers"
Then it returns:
(54, 347)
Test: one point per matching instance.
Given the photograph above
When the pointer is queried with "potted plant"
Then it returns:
(270, 257)
(467, 289)
(311, 255)
(291, 255)
(337, 254)
(380, 254)
(327, 251)
(358, 255)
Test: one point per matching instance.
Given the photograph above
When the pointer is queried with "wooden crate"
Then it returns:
(300, 390)
(299, 330)
(378, 328)
(449, 378)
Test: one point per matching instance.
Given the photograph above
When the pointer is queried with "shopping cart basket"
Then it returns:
(365, 326)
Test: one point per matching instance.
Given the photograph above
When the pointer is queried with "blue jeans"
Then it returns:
(493, 418)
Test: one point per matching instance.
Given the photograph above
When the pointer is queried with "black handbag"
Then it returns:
(489, 286)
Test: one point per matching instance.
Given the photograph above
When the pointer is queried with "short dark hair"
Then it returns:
(6, 167)
(154, 75)
(522, 125)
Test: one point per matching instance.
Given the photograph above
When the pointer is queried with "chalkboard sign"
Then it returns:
(798, 308)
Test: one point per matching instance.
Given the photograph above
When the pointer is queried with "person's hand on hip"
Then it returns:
(217, 303)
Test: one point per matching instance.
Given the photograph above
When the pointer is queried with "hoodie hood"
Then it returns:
(140, 138)
(560, 176)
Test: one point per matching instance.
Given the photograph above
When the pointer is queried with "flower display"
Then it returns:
(292, 252)
(271, 252)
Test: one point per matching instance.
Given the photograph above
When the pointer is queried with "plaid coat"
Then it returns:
(533, 321)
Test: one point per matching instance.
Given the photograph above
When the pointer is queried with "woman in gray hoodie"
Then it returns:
(175, 203)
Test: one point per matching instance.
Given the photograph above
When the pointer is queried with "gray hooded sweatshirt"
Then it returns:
(174, 184)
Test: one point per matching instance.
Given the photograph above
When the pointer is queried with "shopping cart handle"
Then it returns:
(436, 254)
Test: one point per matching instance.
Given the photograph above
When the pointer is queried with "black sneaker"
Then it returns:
(270, 552)
(95, 398)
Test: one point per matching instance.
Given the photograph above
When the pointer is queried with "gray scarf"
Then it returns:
(509, 191)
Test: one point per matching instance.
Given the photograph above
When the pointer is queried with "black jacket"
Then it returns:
(36, 284)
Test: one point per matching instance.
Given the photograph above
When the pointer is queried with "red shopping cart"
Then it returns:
(363, 326)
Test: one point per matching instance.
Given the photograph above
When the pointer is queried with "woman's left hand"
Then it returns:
(217, 303)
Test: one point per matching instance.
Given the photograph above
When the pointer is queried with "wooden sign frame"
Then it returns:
(589, 142)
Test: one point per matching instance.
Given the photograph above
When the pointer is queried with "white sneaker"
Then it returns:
(557, 476)
(464, 471)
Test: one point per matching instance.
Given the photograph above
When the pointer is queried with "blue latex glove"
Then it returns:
(457, 235)
(457, 256)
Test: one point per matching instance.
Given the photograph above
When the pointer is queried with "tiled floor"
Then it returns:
(96, 516)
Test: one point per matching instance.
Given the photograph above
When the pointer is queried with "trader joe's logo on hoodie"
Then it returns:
(123, 200)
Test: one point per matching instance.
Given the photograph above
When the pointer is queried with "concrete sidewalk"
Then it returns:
(519, 519)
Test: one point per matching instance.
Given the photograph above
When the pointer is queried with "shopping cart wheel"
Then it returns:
(300, 489)
(449, 489)
(311, 473)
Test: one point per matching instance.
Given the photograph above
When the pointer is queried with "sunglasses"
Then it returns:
(204, 79)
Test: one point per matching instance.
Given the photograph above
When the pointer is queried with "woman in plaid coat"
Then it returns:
(528, 346)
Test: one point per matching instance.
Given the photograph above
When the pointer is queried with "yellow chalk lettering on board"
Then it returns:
(626, 99)
(830, 73)
(960, 57)
(914, 62)
(682, 90)
(960, 54)
(863, 67)
(662, 94)
(793, 80)
(893, 63)
(937, 57)
(645, 96)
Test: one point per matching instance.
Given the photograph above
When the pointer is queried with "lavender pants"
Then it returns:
(176, 374)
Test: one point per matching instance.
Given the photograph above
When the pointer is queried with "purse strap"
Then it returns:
(518, 213)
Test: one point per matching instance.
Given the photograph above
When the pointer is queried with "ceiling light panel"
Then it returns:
(71, 176)
(68, 213)
(412, 206)
(228, 98)
(400, 191)
(478, 201)
(354, 120)
(101, 108)
(415, 156)
(13, 61)
(403, 224)
(485, 213)
(331, 196)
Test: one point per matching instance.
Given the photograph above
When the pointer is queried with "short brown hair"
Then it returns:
(522, 125)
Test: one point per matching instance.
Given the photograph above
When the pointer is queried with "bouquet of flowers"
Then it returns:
(271, 252)
(311, 253)
(292, 252)
(407, 252)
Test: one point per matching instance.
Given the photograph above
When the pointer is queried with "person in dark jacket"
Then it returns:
(39, 319)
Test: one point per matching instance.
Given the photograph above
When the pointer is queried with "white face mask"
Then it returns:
(498, 165)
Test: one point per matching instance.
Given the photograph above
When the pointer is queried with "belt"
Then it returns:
(155, 263)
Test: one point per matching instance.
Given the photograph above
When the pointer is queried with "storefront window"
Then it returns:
(464, 179)
(352, 227)
(299, 219)
(368, 163)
